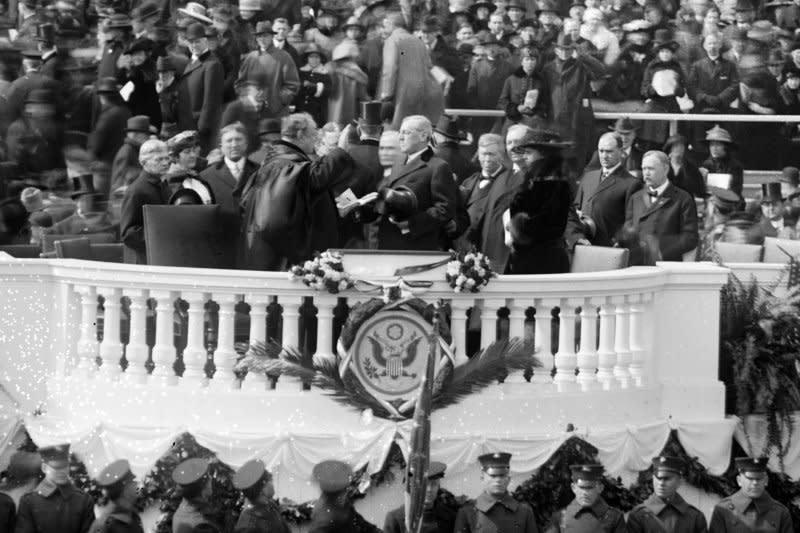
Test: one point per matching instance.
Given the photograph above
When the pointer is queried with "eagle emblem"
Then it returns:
(394, 358)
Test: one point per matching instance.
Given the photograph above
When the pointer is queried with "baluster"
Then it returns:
(606, 356)
(621, 344)
(136, 351)
(225, 354)
(291, 338)
(258, 334)
(637, 348)
(543, 334)
(88, 347)
(587, 355)
(565, 358)
(110, 346)
(325, 306)
(164, 349)
(195, 355)
(516, 328)
(489, 309)
(458, 328)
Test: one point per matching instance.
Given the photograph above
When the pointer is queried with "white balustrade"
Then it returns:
(291, 339)
(587, 355)
(325, 306)
(566, 360)
(110, 346)
(622, 341)
(543, 334)
(164, 348)
(225, 354)
(258, 334)
(489, 309)
(88, 347)
(516, 328)
(195, 355)
(636, 329)
(136, 349)
(458, 328)
(606, 356)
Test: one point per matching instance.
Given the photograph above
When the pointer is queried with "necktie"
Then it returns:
(236, 170)
(652, 193)
(603, 175)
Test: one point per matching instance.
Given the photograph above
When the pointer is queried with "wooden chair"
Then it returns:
(49, 239)
(84, 249)
(598, 258)
(779, 250)
(731, 252)
(187, 236)
(22, 251)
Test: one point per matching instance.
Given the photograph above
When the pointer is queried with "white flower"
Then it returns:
(481, 272)
(308, 265)
(343, 285)
(333, 276)
(453, 267)
(470, 283)
(461, 279)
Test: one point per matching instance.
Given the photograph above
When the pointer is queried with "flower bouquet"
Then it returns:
(324, 272)
(469, 271)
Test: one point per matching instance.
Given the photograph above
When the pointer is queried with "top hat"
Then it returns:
(751, 464)
(449, 128)
(269, 125)
(542, 138)
(195, 11)
(249, 474)
(370, 113)
(313, 48)
(139, 123)
(117, 472)
(195, 31)
(771, 192)
(546, 5)
(263, 27)
(623, 125)
(332, 475)
(46, 32)
(719, 134)
(56, 456)
(146, 11)
(190, 471)
(590, 472)
(495, 461)
(663, 39)
(669, 463)
(482, 3)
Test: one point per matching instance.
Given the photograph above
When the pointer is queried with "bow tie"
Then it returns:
(652, 194)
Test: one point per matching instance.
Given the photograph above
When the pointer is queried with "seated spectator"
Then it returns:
(683, 173)
(721, 204)
(771, 209)
(91, 213)
(721, 161)
(662, 84)
(789, 92)
(524, 97)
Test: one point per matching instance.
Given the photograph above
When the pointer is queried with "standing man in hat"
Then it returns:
(204, 78)
(276, 67)
(771, 209)
(269, 131)
(117, 29)
(588, 512)
(447, 136)
(495, 509)
(260, 512)
(439, 509)
(119, 485)
(46, 35)
(665, 511)
(660, 215)
(334, 512)
(173, 97)
(56, 506)
(447, 59)
(32, 79)
(144, 20)
(281, 28)
(109, 132)
(721, 160)
(407, 85)
(631, 153)
(20, 478)
(125, 167)
(229, 50)
(194, 483)
(751, 508)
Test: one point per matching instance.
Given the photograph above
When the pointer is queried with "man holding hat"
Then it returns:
(495, 509)
(437, 516)
(56, 506)
(665, 511)
(194, 484)
(260, 512)
(588, 512)
(334, 512)
(751, 508)
(119, 485)
(204, 78)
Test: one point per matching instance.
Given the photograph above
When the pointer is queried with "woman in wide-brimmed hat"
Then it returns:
(315, 85)
(663, 83)
(721, 168)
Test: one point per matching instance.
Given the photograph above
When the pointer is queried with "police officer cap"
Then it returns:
(436, 470)
(249, 474)
(497, 460)
(669, 464)
(593, 472)
(190, 471)
(751, 464)
(332, 476)
(116, 472)
(57, 456)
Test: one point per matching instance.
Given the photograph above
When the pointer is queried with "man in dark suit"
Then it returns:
(32, 79)
(204, 78)
(147, 189)
(420, 197)
(447, 135)
(602, 196)
(437, 515)
(661, 216)
(631, 152)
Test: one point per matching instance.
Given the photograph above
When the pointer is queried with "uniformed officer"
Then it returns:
(119, 485)
(495, 509)
(751, 508)
(437, 515)
(334, 512)
(665, 511)
(195, 485)
(588, 512)
(260, 512)
(56, 506)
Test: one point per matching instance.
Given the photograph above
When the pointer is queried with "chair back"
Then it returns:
(187, 236)
(730, 252)
(779, 250)
(110, 253)
(73, 249)
(22, 251)
(598, 258)
(49, 239)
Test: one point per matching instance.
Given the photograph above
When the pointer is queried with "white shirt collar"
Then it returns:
(604, 172)
(661, 188)
(278, 44)
(236, 167)
(415, 155)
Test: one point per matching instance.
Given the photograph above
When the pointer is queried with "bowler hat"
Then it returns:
(719, 134)
(139, 123)
(195, 11)
(269, 125)
(107, 85)
(482, 3)
(46, 33)
(195, 31)
(313, 48)
(449, 128)
(623, 125)
(771, 192)
(370, 113)
(263, 27)
(146, 11)
(663, 39)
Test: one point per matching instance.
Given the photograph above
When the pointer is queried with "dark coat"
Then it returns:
(434, 520)
(315, 86)
(230, 56)
(20, 88)
(370, 59)
(653, 514)
(539, 212)
(7, 513)
(727, 165)
(486, 214)
(513, 94)
(446, 57)
(739, 514)
(108, 133)
(431, 180)
(118, 521)
(278, 68)
(713, 85)
(450, 153)
(238, 111)
(144, 98)
(223, 185)
(262, 517)
(204, 80)
(313, 214)
(108, 63)
(55, 509)
(147, 189)
(487, 514)
(672, 221)
(689, 179)
(363, 179)
(484, 90)
(35, 145)
(604, 202)
(125, 167)
(189, 515)
(599, 518)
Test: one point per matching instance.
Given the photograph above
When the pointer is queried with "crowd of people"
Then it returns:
(50, 503)
(316, 125)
